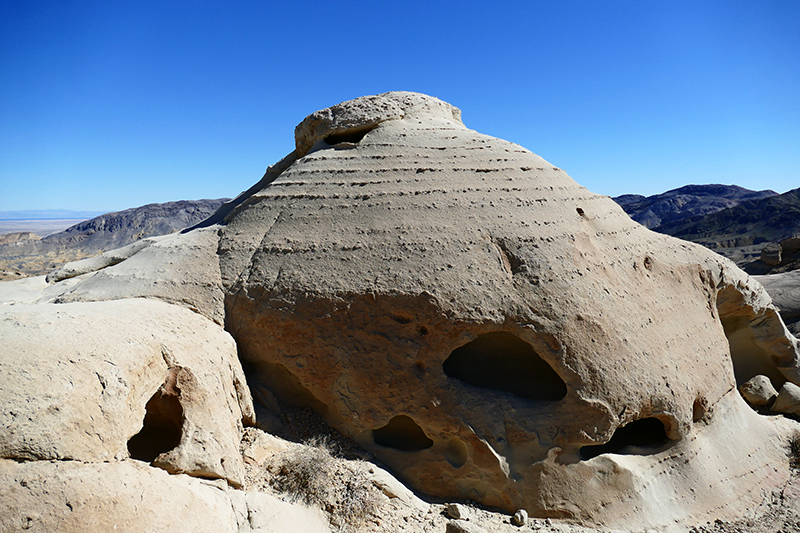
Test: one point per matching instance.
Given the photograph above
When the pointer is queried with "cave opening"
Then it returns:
(402, 433)
(161, 429)
(647, 434)
(504, 362)
(348, 136)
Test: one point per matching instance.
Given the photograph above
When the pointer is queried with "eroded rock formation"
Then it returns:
(456, 305)
(480, 322)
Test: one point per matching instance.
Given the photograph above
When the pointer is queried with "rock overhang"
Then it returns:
(356, 117)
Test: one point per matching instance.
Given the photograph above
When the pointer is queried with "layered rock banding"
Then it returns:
(471, 317)
(394, 246)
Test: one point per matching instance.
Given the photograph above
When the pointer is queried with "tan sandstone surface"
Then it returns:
(450, 303)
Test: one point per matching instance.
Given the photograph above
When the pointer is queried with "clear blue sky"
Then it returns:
(106, 105)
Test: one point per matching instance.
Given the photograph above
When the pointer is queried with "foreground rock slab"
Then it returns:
(105, 380)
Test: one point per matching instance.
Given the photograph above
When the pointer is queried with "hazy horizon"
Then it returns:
(107, 106)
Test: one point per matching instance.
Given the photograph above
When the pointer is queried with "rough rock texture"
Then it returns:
(450, 300)
(462, 526)
(180, 269)
(758, 391)
(788, 400)
(102, 381)
(74, 497)
(451, 303)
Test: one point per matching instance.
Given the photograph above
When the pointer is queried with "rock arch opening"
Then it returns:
(502, 361)
(348, 136)
(644, 435)
(161, 429)
(402, 433)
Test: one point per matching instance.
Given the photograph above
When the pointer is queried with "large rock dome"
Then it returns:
(490, 329)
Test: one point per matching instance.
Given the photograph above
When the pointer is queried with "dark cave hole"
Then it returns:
(402, 433)
(349, 136)
(161, 431)
(642, 433)
(504, 362)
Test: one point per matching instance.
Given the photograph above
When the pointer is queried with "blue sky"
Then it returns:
(108, 105)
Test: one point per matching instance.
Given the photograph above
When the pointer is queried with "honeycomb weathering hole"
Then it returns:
(161, 430)
(350, 136)
(642, 433)
(402, 433)
(504, 362)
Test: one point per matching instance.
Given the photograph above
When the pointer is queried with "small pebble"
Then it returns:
(457, 511)
(520, 518)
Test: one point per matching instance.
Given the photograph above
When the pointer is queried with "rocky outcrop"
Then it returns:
(19, 239)
(771, 254)
(449, 302)
(104, 381)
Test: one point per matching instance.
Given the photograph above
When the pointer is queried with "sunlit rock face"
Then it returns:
(493, 331)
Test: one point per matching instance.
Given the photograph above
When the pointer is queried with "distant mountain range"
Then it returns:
(29, 255)
(688, 201)
(769, 219)
(731, 220)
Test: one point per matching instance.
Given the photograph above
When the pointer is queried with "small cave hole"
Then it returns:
(161, 430)
(504, 362)
(348, 136)
(402, 433)
(580, 211)
(647, 433)
(423, 331)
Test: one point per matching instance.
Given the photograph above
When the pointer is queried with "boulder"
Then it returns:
(784, 289)
(104, 381)
(758, 390)
(462, 526)
(771, 254)
(788, 400)
(457, 511)
(791, 244)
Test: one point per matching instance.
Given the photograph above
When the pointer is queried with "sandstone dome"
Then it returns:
(479, 322)
(484, 325)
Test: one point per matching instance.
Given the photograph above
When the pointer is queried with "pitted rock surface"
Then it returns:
(484, 325)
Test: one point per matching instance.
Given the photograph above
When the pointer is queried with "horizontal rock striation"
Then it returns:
(478, 321)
